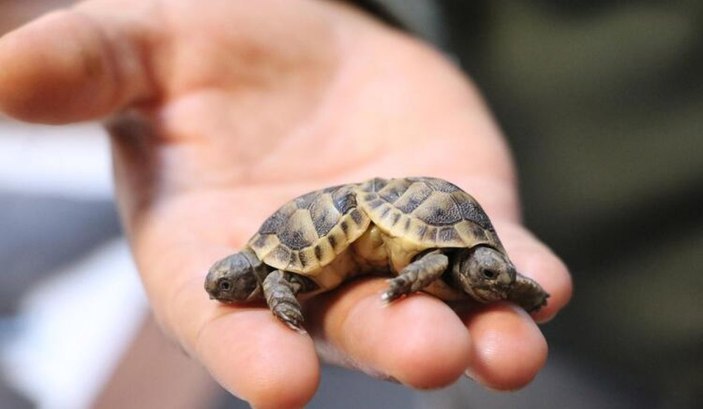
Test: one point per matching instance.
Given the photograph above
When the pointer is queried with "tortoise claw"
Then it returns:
(292, 317)
(387, 297)
(396, 289)
(296, 327)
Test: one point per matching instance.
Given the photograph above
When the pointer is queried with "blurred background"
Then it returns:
(603, 104)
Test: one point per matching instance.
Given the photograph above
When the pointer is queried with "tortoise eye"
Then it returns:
(489, 274)
(224, 285)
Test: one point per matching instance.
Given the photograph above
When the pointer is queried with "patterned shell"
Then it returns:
(427, 212)
(310, 231)
(420, 213)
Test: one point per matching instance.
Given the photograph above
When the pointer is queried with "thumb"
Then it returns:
(73, 65)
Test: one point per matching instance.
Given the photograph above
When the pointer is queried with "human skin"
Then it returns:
(220, 114)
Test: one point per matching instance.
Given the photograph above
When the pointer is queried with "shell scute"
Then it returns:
(298, 231)
(344, 198)
(324, 215)
(413, 197)
(471, 210)
(274, 222)
(439, 209)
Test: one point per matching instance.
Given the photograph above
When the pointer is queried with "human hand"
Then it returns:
(220, 113)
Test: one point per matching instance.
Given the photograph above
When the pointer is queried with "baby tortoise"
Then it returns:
(427, 232)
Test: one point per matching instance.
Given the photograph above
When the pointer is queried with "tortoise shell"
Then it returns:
(308, 232)
(424, 213)
(310, 235)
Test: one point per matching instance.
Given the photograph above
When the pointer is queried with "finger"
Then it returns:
(508, 348)
(248, 351)
(536, 261)
(259, 359)
(417, 341)
(74, 65)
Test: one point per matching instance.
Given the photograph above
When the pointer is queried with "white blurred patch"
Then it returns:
(75, 327)
(66, 161)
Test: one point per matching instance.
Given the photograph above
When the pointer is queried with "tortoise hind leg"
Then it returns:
(280, 289)
(417, 275)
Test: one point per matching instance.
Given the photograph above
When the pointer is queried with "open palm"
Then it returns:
(220, 113)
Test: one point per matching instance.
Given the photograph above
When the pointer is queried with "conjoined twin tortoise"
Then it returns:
(428, 233)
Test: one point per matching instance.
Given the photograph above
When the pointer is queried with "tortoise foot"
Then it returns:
(397, 287)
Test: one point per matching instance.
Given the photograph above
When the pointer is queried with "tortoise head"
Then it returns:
(234, 278)
(484, 273)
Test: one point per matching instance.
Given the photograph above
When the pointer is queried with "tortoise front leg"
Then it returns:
(417, 275)
(280, 289)
(528, 294)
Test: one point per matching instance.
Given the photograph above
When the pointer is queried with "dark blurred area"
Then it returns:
(603, 104)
